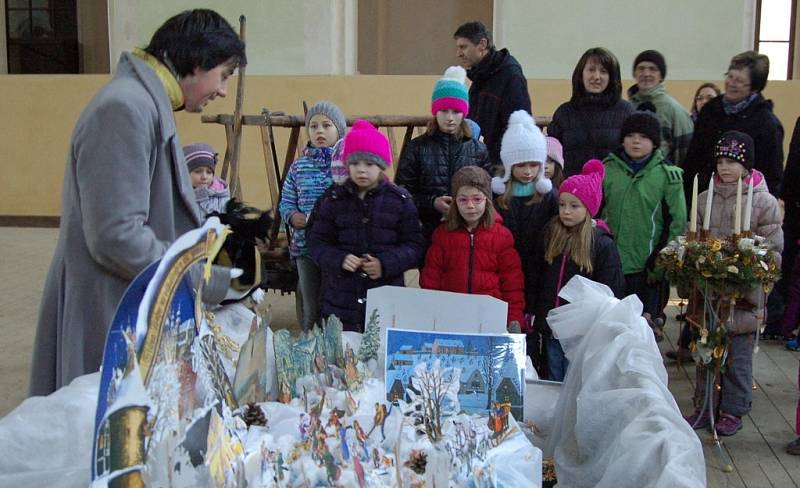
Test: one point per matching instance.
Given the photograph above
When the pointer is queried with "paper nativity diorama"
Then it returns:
(187, 399)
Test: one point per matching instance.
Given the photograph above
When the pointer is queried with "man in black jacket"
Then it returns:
(498, 85)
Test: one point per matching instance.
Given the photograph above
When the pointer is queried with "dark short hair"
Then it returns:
(755, 63)
(474, 31)
(606, 59)
(197, 38)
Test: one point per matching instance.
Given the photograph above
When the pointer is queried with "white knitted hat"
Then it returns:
(523, 142)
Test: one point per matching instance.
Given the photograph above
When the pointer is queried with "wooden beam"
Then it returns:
(234, 183)
(376, 120)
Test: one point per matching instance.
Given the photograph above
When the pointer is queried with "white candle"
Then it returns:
(737, 217)
(693, 215)
(709, 198)
(748, 209)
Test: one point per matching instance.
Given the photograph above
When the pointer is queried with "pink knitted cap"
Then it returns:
(364, 141)
(554, 150)
(587, 186)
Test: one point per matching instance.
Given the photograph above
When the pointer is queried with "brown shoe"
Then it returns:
(793, 447)
(680, 354)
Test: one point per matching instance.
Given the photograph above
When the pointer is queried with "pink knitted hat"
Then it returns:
(587, 186)
(364, 141)
(555, 151)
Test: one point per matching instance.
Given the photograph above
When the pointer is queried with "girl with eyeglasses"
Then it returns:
(472, 251)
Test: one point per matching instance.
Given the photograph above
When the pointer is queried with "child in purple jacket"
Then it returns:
(364, 233)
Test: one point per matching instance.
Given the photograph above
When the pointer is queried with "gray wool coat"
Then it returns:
(127, 196)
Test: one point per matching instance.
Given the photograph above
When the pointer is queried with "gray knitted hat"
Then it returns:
(330, 110)
(199, 154)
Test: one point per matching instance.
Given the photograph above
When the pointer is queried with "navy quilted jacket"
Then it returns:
(384, 224)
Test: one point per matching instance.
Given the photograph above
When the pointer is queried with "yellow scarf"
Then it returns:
(168, 79)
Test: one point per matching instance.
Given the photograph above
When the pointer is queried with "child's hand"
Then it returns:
(298, 220)
(372, 266)
(442, 203)
(352, 263)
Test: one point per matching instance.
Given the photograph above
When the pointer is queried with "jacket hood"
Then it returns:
(637, 95)
(495, 61)
(728, 189)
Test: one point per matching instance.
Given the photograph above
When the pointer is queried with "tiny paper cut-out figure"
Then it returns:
(376, 458)
(333, 471)
(351, 403)
(361, 437)
(284, 393)
(350, 370)
(343, 442)
(379, 419)
(265, 462)
(359, 469)
(304, 424)
(320, 363)
(279, 467)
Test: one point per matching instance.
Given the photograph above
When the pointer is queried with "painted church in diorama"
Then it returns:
(478, 388)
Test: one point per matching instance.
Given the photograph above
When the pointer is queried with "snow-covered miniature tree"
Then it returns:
(436, 395)
(489, 368)
(371, 340)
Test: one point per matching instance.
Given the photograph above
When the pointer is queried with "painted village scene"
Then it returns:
(491, 367)
(193, 397)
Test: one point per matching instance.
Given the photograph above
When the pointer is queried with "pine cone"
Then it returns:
(417, 461)
(548, 472)
(254, 415)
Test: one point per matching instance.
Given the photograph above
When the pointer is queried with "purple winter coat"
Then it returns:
(384, 224)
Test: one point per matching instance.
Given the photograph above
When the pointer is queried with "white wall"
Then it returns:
(282, 36)
(697, 38)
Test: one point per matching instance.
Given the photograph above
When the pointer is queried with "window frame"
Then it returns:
(792, 38)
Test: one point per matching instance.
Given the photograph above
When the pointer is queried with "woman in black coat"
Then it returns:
(742, 107)
(588, 125)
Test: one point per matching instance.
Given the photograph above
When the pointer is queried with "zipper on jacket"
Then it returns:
(469, 265)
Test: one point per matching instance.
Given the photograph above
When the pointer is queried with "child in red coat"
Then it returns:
(472, 252)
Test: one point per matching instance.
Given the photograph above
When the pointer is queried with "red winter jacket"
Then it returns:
(483, 262)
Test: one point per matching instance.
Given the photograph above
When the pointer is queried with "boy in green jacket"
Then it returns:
(644, 207)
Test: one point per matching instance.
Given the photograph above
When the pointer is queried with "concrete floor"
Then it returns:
(757, 451)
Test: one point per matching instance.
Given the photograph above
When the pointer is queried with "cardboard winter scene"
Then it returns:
(190, 396)
(194, 397)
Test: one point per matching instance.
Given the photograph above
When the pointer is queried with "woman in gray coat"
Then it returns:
(127, 194)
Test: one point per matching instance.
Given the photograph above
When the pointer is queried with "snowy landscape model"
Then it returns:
(168, 408)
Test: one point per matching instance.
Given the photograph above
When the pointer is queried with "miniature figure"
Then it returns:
(361, 437)
(379, 419)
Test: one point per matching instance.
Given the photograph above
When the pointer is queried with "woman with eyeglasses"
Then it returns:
(741, 107)
(704, 94)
